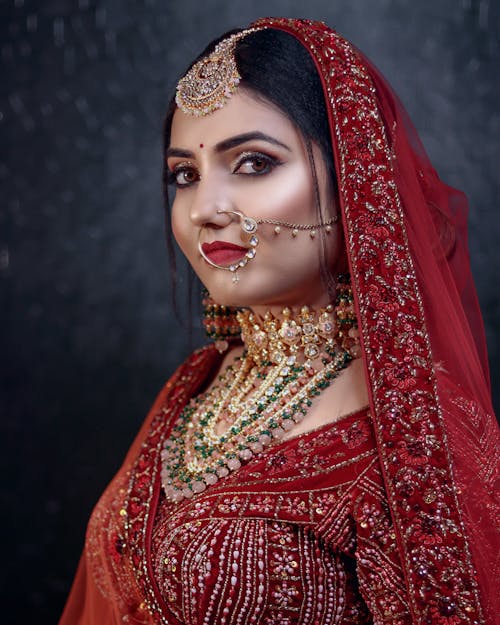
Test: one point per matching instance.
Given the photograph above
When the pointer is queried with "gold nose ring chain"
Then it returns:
(249, 226)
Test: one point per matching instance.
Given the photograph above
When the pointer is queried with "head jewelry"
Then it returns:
(212, 80)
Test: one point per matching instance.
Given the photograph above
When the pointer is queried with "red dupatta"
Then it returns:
(422, 338)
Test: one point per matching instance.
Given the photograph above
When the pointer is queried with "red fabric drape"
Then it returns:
(406, 236)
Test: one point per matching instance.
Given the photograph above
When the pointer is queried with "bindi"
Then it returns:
(201, 145)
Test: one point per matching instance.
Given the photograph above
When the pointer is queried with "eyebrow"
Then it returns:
(230, 143)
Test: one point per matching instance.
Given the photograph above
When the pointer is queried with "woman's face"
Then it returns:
(249, 157)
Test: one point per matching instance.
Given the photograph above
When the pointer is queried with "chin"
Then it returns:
(258, 288)
(236, 300)
(231, 295)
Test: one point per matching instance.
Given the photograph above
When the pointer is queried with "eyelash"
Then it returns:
(246, 157)
(174, 173)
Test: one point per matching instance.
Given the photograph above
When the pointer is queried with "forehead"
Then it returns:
(241, 113)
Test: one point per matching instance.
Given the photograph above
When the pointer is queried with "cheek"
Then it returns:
(181, 230)
(300, 258)
(295, 256)
(293, 198)
(287, 195)
(175, 225)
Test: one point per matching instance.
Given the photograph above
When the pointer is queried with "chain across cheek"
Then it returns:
(249, 227)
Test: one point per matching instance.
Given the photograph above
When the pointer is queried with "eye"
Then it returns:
(183, 175)
(255, 164)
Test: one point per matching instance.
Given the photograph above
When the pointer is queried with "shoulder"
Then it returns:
(195, 368)
(182, 384)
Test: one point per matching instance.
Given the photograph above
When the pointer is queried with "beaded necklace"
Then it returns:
(264, 394)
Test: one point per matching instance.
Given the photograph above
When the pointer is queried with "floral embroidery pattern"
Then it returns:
(281, 555)
(143, 491)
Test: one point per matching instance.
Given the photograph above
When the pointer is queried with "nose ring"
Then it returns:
(248, 226)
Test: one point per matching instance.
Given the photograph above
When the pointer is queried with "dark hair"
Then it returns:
(276, 67)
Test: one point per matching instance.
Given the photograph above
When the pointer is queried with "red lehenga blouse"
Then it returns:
(289, 538)
(388, 516)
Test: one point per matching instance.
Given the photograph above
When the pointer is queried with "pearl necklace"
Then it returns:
(268, 390)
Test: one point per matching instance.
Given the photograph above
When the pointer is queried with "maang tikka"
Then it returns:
(212, 80)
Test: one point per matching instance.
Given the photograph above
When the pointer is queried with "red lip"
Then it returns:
(221, 245)
(223, 252)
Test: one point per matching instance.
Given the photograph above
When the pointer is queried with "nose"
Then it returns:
(211, 205)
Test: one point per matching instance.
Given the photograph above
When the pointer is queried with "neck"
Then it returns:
(276, 310)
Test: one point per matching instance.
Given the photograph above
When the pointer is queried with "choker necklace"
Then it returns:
(264, 394)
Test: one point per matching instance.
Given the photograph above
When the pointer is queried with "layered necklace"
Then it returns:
(287, 362)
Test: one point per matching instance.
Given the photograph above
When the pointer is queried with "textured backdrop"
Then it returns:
(88, 334)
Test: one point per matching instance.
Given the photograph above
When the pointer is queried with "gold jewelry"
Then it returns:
(212, 80)
(259, 404)
(295, 228)
(287, 362)
(307, 333)
(220, 323)
(248, 226)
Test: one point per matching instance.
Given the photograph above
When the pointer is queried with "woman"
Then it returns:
(337, 466)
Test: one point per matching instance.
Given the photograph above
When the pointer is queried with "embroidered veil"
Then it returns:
(422, 336)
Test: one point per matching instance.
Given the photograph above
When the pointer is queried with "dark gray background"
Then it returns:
(88, 335)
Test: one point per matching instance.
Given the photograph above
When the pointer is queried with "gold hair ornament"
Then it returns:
(212, 80)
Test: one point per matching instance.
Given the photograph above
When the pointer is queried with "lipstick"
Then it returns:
(223, 253)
